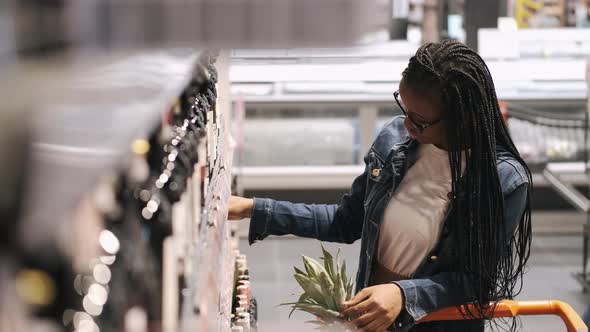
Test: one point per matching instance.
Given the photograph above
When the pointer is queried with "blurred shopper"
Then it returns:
(443, 207)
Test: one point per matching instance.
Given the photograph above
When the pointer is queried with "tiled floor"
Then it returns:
(554, 258)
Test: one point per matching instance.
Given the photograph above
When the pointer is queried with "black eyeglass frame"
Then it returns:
(417, 126)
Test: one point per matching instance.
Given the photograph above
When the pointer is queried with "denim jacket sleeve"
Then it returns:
(426, 295)
(326, 222)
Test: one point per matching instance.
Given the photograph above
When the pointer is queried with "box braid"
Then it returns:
(489, 267)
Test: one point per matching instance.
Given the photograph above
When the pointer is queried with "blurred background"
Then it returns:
(127, 124)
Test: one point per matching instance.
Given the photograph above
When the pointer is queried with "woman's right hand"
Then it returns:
(240, 208)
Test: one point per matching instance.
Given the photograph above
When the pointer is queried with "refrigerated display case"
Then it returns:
(359, 81)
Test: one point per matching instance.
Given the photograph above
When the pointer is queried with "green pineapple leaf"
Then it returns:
(297, 270)
(328, 263)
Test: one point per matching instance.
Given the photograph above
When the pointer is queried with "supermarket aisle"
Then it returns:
(553, 259)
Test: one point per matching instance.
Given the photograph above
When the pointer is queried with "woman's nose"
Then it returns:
(408, 125)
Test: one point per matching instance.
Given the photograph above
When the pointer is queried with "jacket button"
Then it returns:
(433, 258)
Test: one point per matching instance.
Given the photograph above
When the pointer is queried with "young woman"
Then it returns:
(442, 207)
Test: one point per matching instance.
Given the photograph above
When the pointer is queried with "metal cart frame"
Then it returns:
(508, 308)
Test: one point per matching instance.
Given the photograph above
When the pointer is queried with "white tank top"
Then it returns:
(412, 221)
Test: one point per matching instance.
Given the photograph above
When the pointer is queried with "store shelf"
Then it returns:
(565, 169)
(84, 123)
(373, 81)
(336, 177)
(391, 49)
(129, 194)
(112, 97)
(293, 178)
(532, 43)
(369, 73)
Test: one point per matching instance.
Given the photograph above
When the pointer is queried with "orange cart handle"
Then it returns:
(508, 308)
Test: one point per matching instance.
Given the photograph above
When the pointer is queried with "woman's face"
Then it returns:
(424, 109)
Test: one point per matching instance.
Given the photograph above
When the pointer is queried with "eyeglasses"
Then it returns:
(420, 127)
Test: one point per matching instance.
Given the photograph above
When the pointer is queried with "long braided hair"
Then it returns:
(489, 268)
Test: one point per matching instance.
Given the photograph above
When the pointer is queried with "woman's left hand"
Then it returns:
(378, 307)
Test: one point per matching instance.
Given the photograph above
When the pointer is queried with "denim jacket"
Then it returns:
(359, 214)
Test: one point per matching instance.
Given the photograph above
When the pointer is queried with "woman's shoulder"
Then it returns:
(511, 172)
(392, 133)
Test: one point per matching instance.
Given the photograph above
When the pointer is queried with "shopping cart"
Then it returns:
(507, 308)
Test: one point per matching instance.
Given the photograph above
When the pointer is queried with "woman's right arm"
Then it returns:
(326, 222)
(335, 223)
